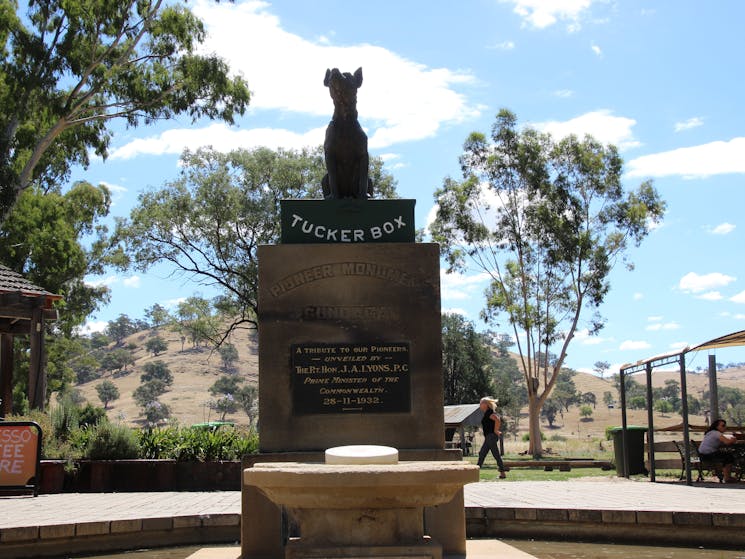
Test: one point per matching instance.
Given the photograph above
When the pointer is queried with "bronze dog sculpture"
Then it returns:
(345, 147)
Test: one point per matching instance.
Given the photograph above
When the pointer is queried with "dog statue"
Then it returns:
(345, 147)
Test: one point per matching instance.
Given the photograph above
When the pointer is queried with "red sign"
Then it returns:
(20, 448)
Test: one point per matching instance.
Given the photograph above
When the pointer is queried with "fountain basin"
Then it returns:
(361, 510)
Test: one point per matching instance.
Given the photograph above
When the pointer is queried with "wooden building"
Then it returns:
(23, 309)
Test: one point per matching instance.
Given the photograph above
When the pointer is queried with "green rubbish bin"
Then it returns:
(635, 440)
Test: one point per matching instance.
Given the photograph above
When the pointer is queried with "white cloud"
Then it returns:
(544, 13)
(739, 298)
(638, 296)
(654, 318)
(723, 229)
(695, 283)
(596, 49)
(504, 45)
(457, 286)
(710, 296)
(663, 326)
(583, 337)
(400, 99)
(132, 281)
(705, 160)
(688, 124)
(221, 137)
(563, 93)
(107, 281)
(171, 303)
(92, 326)
(456, 310)
(739, 316)
(601, 124)
(634, 344)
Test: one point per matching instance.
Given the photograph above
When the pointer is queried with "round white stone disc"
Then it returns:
(362, 454)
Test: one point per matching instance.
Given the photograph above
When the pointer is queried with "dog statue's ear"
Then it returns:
(358, 77)
(327, 78)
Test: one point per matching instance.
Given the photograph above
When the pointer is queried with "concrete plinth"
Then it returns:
(362, 510)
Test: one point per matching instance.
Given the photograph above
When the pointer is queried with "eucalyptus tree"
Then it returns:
(547, 220)
(208, 223)
(68, 68)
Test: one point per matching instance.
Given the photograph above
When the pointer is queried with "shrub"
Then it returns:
(198, 445)
(526, 437)
(65, 417)
(91, 415)
(148, 392)
(157, 370)
(110, 441)
(557, 438)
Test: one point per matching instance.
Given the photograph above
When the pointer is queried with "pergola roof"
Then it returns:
(19, 297)
(728, 340)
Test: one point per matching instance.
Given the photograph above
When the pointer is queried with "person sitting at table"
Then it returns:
(711, 448)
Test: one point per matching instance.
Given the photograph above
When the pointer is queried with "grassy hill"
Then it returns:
(195, 370)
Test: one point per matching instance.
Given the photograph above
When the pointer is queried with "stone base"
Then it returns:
(426, 550)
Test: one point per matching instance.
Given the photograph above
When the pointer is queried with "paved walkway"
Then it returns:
(613, 494)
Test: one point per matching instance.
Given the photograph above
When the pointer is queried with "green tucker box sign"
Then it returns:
(347, 221)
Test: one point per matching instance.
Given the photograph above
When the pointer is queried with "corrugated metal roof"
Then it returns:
(465, 414)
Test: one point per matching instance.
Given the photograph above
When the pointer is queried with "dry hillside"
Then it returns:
(195, 370)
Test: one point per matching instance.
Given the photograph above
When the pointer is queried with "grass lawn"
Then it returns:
(490, 473)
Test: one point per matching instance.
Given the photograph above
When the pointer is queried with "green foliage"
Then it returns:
(526, 437)
(663, 407)
(119, 328)
(65, 418)
(70, 67)
(226, 384)
(549, 411)
(467, 362)
(585, 411)
(111, 441)
(158, 316)
(229, 355)
(117, 360)
(601, 367)
(637, 403)
(565, 392)
(43, 239)
(546, 220)
(197, 320)
(107, 392)
(190, 444)
(224, 405)
(157, 370)
(211, 219)
(735, 415)
(155, 412)
(248, 397)
(91, 415)
(156, 345)
(148, 392)
(608, 399)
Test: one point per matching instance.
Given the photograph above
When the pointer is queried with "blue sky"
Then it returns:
(664, 81)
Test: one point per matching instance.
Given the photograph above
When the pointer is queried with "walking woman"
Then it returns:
(491, 424)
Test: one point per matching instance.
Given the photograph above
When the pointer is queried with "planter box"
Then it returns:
(99, 476)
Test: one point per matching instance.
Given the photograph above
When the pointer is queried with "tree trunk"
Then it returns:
(534, 427)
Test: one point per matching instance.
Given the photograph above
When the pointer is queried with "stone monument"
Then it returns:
(349, 340)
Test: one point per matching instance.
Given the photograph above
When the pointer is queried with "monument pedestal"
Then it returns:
(361, 510)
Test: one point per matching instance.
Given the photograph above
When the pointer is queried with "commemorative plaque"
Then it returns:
(351, 378)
